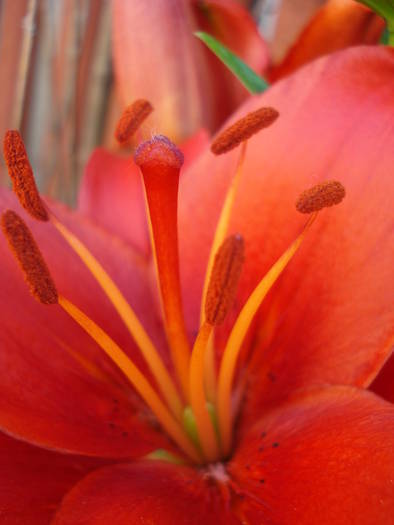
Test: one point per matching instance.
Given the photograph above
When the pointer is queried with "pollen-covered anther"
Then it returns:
(29, 257)
(243, 129)
(158, 152)
(21, 174)
(321, 196)
(131, 119)
(224, 279)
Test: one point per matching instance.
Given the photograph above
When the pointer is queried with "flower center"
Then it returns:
(195, 407)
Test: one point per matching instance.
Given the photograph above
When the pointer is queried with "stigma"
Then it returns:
(194, 404)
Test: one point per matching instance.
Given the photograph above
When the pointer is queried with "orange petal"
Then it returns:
(331, 314)
(60, 391)
(111, 194)
(144, 492)
(194, 89)
(33, 481)
(337, 25)
(324, 457)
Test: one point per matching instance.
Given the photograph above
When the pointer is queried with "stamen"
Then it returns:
(224, 279)
(128, 316)
(221, 291)
(160, 162)
(21, 174)
(238, 333)
(222, 226)
(322, 195)
(243, 129)
(136, 378)
(131, 119)
(29, 257)
(219, 236)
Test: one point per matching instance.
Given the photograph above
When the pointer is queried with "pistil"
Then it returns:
(160, 162)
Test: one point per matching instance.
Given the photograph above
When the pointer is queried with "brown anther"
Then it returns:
(224, 279)
(131, 119)
(159, 151)
(21, 174)
(243, 129)
(29, 257)
(320, 196)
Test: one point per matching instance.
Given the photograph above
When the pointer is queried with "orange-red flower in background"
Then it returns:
(157, 57)
(337, 24)
(309, 444)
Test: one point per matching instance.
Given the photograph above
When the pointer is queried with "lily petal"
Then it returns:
(111, 194)
(33, 481)
(324, 457)
(337, 25)
(332, 309)
(60, 391)
(383, 384)
(144, 492)
(194, 89)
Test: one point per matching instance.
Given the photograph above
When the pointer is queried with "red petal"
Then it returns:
(111, 195)
(383, 384)
(334, 317)
(146, 492)
(325, 457)
(193, 147)
(194, 89)
(59, 390)
(337, 25)
(33, 481)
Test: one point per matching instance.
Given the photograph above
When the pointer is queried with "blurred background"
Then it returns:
(59, 79)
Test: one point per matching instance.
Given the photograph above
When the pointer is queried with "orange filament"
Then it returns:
(29, 257)
(160, 162)
(128, 316)
(205, 428)
(131, 119)
(320, 196)
(224, 279)
(243, 129)
(21, 174)
(136, 378)
(238, 333)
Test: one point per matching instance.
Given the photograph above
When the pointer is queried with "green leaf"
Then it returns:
(251, 80)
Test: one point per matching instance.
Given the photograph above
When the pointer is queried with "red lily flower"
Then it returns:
(309, 444)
